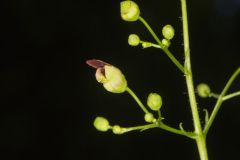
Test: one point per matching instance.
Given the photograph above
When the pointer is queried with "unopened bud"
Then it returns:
(203, 90)
(129, 11)
(133, 40)
(168, 32)
(101, 124)
(149, 117)
(154, 101)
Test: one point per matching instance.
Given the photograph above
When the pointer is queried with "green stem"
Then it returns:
(149, 44)
(200, 139)
(137, 100)
(165, 49)
(176, 131)
(227, 97)
(142, 127)
(232, 95)
(220, 101)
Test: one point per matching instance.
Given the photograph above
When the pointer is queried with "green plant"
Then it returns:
(114, 81)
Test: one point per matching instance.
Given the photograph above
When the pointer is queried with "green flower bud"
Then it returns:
(111, 77)
(154, 101)
(203, 90)
(129, 11)
(146, 44)
(168, 32)
(133, 40)
(149, 117)
(117, 129)
(101, 124)
(166, 42)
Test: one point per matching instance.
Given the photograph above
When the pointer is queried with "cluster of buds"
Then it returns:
(130, 12)
(112, 78)
(168, 33)
(102, 124)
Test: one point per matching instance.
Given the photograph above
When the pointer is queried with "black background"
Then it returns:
(49, 96)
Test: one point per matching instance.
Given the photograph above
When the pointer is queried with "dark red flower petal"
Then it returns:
(95, 63)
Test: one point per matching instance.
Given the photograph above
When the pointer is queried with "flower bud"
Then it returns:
(154, 101)
(146, 44)
(133, 40)
(168, 32)
(203, 90)
(101, 124)
(111, 77)
(117, 129)
(129, 11)
(149, 117)
(166, 42)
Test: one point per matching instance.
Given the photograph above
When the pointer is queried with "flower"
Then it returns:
(129, 11)
(203, 90)
(149, 118)
(101, 124)
(111, 77)
(133, 40)
(154, 101)
(168, 31)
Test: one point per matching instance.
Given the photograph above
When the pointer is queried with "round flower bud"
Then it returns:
(154, 101)
(101, 124)
(203, 90)
(166, 42)
(168, 32)
(129, 11)
(117, 129)
(149, 117)
(133, 40)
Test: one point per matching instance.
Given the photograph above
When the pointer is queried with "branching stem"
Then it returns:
(165, 49)
(220, 100)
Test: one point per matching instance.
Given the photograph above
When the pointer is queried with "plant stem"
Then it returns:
(220, 101)
(232, 95)
(227, 97)
(165, 49)
(176, 131)
(137, 100)
(142, 127)
(200, 138)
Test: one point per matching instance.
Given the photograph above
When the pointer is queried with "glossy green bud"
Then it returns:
(203, 90)
(168, 32)
(133, 40)
(101, 124)
(117, 129)
(166, 42)
(154, 101)
(129, 11)
(149, 117)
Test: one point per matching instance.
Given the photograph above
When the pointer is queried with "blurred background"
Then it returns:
(49, 96)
